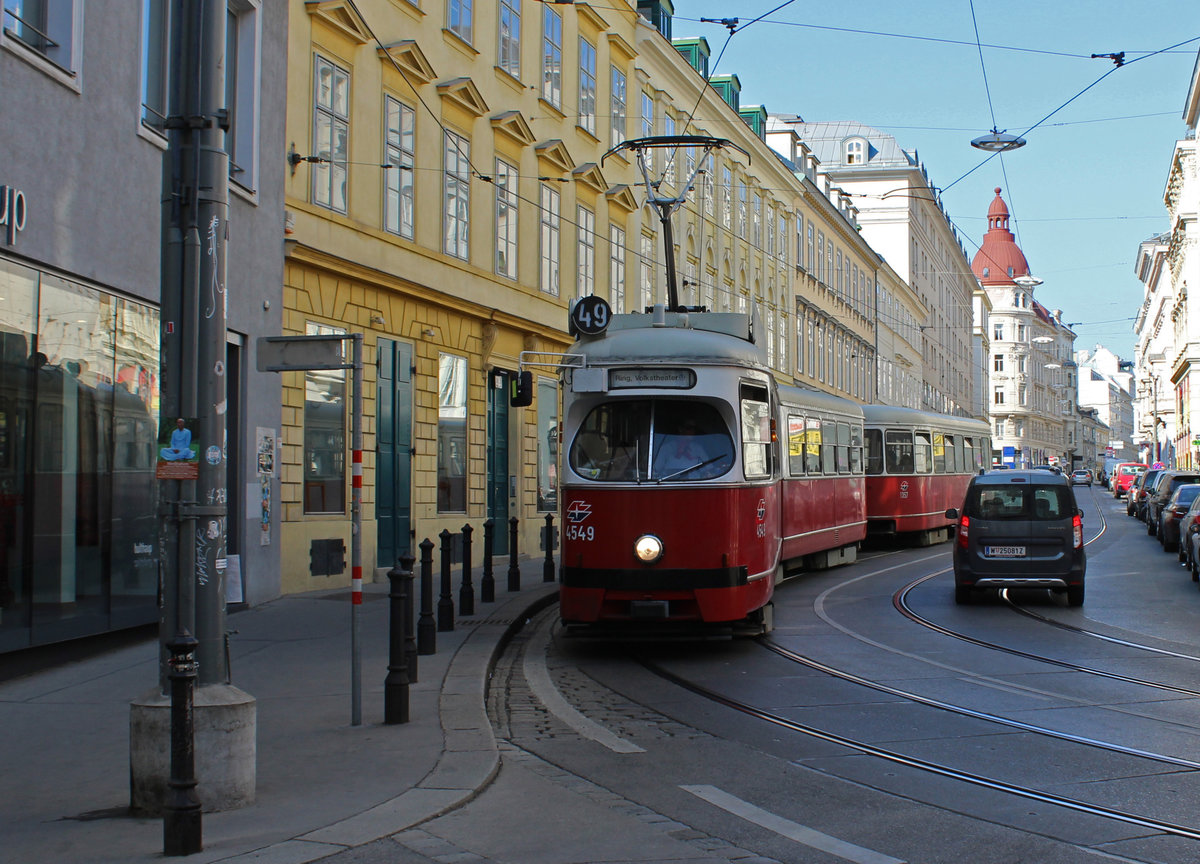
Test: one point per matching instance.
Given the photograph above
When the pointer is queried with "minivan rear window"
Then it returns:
(1020, 502)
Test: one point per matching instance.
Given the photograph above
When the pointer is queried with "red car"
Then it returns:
(1124, 474)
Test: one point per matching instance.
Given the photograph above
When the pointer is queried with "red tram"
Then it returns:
(918, 465)
(679, 503)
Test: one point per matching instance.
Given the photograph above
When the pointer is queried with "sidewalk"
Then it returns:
(322, 786)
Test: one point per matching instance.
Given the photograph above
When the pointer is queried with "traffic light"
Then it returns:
(521, 392)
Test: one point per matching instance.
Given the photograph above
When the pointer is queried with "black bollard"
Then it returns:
(445, 613)
(426, 626)
(395, 685)
(548, 566)
(466, 591)
(182, 831)
(410, 628)
(487, 585)
(514, 572)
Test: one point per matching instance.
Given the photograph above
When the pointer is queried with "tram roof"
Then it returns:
(885, 415)
(691, 338)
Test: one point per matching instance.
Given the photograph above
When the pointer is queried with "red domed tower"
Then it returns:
(999, 260)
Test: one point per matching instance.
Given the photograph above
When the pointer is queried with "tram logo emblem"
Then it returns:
(903, 488)
(578, 511)
(761, 513)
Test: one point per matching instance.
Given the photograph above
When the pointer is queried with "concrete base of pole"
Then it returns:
(226, 749)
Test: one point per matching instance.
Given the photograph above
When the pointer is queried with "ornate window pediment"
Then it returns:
(342, 15)
(554, 153)
(411, 59)
(589, 175)
(512, 124)
(464, 93)
(622, 197)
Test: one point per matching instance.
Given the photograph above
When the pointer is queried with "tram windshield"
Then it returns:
(649, 440)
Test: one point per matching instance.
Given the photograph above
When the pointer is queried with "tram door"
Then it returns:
(498, 481)
(393, 477)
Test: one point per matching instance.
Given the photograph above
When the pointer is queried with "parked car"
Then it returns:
(1124, 474)
(1081, 477)
(1135, 498)
(1019, 529)
(1188, 525)
(1192, 542)
(1164, 487)
(1172, 515)
(1047, 467)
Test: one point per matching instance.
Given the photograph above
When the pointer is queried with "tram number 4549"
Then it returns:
(580, 532)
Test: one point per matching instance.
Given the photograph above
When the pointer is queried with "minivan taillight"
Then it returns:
(1077, 530)
(964, 523)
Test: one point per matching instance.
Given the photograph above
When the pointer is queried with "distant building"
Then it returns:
(1032, 377)
(901, 216)
(1106, 386)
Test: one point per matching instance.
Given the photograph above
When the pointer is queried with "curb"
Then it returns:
(470, 757)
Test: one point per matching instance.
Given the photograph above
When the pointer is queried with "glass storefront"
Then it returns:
(78, 423)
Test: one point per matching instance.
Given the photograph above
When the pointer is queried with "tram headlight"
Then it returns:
(648, 548)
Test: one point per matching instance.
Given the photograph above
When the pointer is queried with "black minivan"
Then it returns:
(1019, 529)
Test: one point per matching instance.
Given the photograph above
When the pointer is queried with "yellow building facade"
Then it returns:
(451, 190)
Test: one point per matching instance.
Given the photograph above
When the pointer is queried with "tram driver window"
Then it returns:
(756, 432)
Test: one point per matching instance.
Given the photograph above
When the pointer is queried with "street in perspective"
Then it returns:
(599, 433)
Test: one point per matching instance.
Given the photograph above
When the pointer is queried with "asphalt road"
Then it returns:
(896, 726)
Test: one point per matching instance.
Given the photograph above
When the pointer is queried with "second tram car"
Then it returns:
(918, 466)
(680, 502)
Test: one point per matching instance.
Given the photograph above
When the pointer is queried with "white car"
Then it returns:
(1081, 477)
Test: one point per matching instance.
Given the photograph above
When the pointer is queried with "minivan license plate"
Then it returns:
(1005, 551)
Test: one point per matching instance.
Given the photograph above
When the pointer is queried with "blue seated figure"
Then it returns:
(180, 448)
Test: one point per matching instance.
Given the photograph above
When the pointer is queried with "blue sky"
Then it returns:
(1088, 186)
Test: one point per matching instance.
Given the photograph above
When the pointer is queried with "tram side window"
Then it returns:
(874, 451)
(970, 456)
(812, 446)
(939, 453)
(898, 449)
(843, 448)
(856, 447)
(828, 447)
(795, 439)
(756, 432)
(961, 464)
(922, 456)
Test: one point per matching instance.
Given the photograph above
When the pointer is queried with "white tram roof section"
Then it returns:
(893, 415)
(687, 338)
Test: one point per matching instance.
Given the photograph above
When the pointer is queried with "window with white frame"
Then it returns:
(997, 362)
(998, 331)
(507, 219)
(672, 163)
(810, 258)
(458, 19)
(331, 135)
(156, 24)
(552, 55)
(398, 199)
(709, 186)
(1022, 333)
(726, 196)
(585, 251)
(616, 267)
(770, 316)
(243, 38)
(781, 235)
(1021, 361)
(741, 211)
(998, 396)
(587, 85)
(457, 216)
(617, 107)
(549, 239)
(820, 255)
(50, 28)
(646, 273)
(856, 151)
(509, 48)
